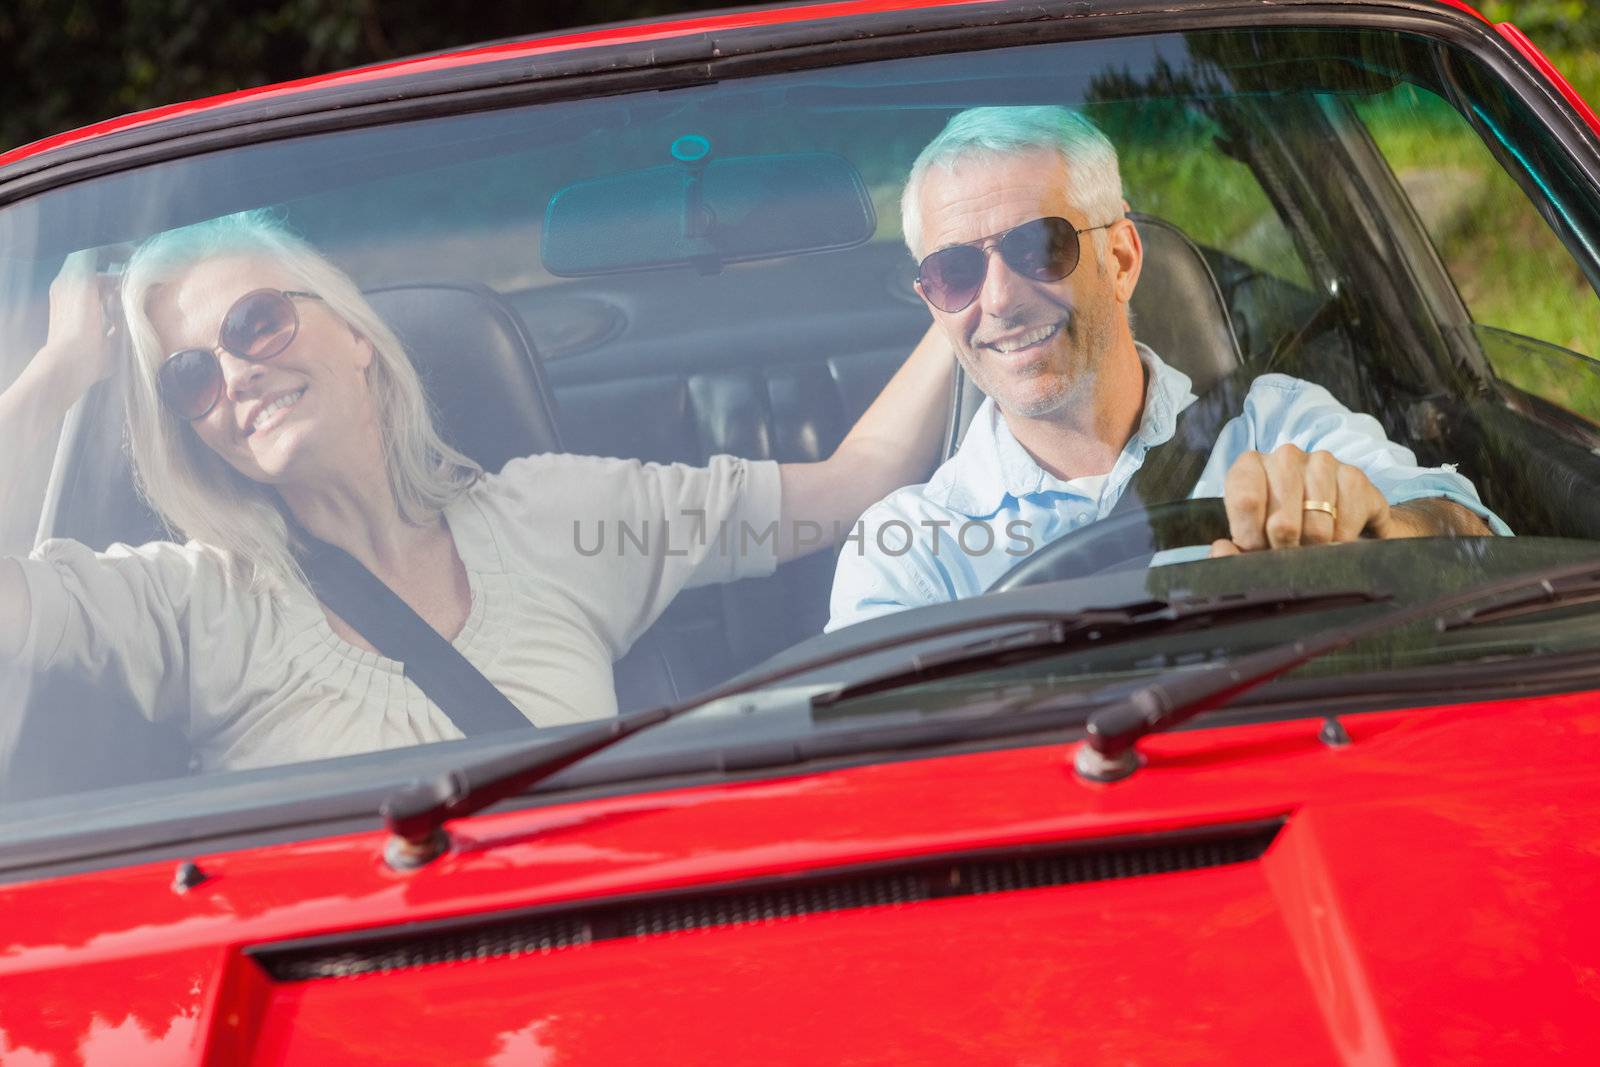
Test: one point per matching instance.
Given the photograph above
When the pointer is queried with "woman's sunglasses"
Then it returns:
(259, 325)
(1044, 250)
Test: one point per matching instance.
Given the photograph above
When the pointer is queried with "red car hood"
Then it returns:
(1423, 894)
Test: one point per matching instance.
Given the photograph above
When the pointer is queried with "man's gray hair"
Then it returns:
(194, 489)
(1096, 188)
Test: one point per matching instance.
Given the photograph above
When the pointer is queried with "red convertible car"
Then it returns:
(1335, 804)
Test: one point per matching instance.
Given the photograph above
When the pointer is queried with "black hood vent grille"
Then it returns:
(706, 907)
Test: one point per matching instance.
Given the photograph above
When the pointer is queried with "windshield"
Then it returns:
(621, 398)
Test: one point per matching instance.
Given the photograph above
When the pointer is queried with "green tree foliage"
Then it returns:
(72, 62)
(1556, 25)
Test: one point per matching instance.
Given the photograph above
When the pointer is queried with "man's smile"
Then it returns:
(1020, 345)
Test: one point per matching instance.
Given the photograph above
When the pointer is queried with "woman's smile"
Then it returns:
(270, 414)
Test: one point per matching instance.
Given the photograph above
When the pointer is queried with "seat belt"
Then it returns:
(1172, 469)
(376, 612)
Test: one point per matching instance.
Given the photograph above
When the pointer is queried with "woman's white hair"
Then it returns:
(197, 493)
(1096, 188)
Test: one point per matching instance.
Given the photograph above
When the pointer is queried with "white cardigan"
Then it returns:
(559, 591)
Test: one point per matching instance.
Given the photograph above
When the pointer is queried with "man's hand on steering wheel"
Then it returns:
(1290, 498)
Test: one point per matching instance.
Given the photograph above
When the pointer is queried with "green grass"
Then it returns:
(1510, 267)
(1512, 270)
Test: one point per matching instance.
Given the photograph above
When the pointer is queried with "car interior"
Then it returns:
(792, 401)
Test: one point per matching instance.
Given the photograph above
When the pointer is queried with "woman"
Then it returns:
(267, 391)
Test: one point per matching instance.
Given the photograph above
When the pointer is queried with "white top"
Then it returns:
(1089, 485)
(559, 591)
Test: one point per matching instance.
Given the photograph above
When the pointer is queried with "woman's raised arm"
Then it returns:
(76, 354)
(893, 444)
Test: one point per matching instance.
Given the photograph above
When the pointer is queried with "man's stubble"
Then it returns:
(1089, 339)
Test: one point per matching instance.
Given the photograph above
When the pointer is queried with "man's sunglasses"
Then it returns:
(259, 325)
(1044, 250)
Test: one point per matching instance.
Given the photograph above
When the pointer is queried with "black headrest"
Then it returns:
(1178, 310)
(479, 368)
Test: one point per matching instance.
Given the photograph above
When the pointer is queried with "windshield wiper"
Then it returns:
(415, 815)
(1108, 751)
(1544, 594)
(1093, 628)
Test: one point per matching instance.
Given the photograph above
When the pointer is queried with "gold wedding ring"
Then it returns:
(1325, 506)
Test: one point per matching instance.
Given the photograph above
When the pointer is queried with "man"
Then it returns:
(1028, 263)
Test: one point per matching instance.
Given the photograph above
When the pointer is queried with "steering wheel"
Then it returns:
(1121, 541)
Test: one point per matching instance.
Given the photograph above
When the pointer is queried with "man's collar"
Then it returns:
(991, 463)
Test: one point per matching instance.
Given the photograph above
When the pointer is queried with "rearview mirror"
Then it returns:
(706, 213)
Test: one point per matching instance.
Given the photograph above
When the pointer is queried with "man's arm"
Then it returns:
(1311, 471)
(895, 564)
(1438, 517)
(894, 443)
(1270, 500)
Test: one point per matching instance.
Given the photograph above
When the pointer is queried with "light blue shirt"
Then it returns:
(990, 505)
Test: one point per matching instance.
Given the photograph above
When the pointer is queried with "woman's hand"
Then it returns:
(78, 351)
(76, 354)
